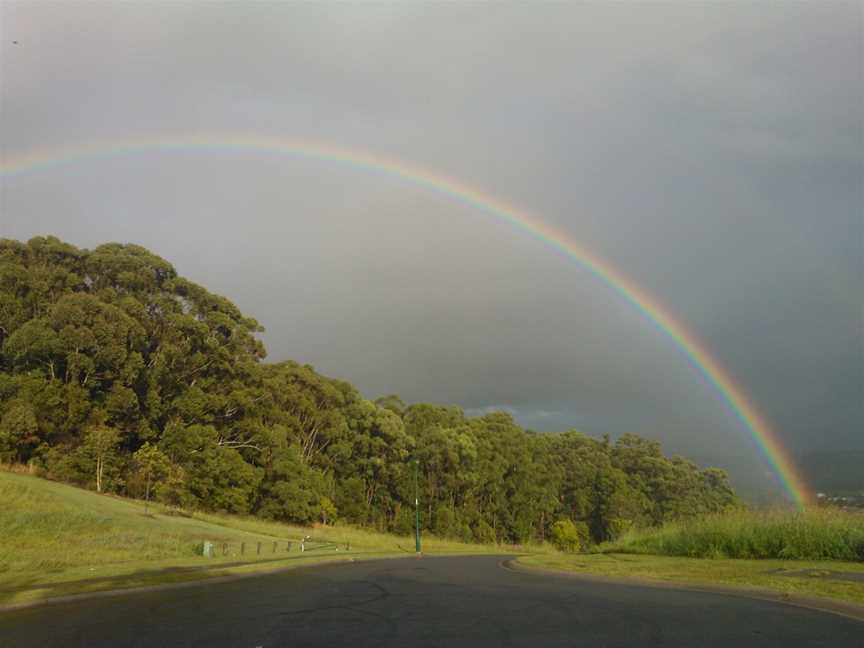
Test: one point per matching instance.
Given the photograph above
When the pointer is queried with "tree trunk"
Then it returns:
(98, 474)
(147, 493)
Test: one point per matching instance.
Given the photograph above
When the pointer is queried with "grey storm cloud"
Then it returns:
(711, 152)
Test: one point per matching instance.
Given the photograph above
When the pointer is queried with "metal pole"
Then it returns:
(416, 511)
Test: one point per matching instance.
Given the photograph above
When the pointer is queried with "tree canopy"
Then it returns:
(117, 373)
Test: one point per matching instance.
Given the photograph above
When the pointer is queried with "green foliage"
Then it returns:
(172, 489)
(293, 491)
(393, 403)
(566, 537)
(66, 464)
(220, 480)
(152, 465)
(351, 500)
(617, 527)
(101, 442)
(118, 373)
(448, 524)
(59, 540)
(18, 431)
(816, 534)
(403, 521)
(328, 510)
(484, 533)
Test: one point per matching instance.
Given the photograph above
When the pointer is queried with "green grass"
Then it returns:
(743, 549)
(815, 534)
(753, 575)
(56, 539)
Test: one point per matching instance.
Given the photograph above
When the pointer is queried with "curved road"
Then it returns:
(454, 601)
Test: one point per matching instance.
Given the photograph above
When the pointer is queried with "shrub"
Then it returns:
(67, 464)
(445, 521)
(403, 522)
(617, 527)
(328, 510)
(172, 490)
(484, 533)
(566, 536)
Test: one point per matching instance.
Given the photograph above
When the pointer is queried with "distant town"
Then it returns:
(845, 500)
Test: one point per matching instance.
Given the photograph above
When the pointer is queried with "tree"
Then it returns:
(565, 536)
(109, 350)
(173, 489)
(101, 441)
(221, 480)
(152, 464)
(351, 500)
(18, 430)
(393, 403)
(293, 491)
(328, 510)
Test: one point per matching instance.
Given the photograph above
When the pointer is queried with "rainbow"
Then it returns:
(694, 351)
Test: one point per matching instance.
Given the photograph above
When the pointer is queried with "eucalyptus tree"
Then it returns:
(114, 366)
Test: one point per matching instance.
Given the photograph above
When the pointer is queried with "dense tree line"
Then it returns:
(118, 374)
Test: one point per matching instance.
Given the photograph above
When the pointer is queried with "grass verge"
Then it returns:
(813, 578)
(167, 573)
(57, 540)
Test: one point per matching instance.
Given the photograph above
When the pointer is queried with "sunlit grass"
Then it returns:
(761, 575)
(815, 534)
(790, 553)
(58, 539)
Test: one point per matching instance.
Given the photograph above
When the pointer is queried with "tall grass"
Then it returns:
(816, 534)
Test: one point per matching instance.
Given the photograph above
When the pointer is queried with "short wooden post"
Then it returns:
(259, 548)
(274, 547)
(289, 547)
(242, 548)
(224, 548)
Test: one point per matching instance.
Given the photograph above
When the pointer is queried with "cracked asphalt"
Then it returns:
(441, 601)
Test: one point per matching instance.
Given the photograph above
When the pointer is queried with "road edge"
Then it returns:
(142, 589)
(120, 591)
(819, 604)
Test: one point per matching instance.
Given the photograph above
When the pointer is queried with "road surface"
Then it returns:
(407, 603)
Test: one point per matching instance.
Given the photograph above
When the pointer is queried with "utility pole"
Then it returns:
(416, 511)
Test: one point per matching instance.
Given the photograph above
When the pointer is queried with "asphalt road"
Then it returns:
(459, 601)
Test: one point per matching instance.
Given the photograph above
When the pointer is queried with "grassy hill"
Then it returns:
(56, 539)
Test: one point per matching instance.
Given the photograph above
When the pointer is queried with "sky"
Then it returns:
(711, 152)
